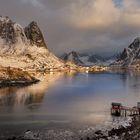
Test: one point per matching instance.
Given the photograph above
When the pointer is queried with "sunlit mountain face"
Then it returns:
(86, 25)
(43, 96)
(24, 48)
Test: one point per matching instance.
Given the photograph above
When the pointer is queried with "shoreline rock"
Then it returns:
(130, 132)
(15, 77)
(16, 82)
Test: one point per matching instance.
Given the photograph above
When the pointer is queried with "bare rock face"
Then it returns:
(130, 55)
(87, 59)
(73, 57)
(10, 31)
(34, 34)
(25, 47)
(7, 31)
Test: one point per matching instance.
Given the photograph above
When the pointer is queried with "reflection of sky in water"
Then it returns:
(80, 98)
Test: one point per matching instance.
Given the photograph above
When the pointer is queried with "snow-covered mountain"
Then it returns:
(87, 59)
(24, 47)
(73, 57)
(130, 56)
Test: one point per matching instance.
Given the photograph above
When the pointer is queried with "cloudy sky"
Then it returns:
(98, 26)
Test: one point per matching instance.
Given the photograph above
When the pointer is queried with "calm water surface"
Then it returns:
(66, 100)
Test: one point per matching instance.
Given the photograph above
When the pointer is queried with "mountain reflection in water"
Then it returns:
(26, 96)
(67, 100)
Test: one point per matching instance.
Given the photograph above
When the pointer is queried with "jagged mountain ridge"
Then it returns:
(34, 35)
(131, 55)
(87, 59)
(24, 47)
(73, 57)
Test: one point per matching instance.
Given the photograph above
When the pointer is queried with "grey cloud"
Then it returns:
(54, 16)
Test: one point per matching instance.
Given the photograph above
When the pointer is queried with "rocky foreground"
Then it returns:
(127, 131)
(15, 77)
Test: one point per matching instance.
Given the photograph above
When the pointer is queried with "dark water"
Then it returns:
(66, 100)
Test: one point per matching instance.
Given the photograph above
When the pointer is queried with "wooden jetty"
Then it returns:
(117, 109)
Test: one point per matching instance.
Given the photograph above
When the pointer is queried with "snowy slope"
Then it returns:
(24, 47)
(87, 59)
(73, 57)
(131, 55)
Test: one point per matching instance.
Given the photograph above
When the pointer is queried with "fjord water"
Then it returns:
(66, 100)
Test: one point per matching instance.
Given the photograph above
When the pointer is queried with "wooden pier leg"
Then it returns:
(122, 112)
(119, 114)
(125, 113)
(111, 111)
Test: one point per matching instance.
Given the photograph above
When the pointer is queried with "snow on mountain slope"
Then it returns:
(131, 55)
(73, 57)
(87, 59)
(24, 47)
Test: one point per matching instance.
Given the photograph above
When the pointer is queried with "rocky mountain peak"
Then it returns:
(34, 34)
(87, 59)
(10, 31)
(130, 54)
(7, 31)
(24, 47)
(137, 40)
(72, 56)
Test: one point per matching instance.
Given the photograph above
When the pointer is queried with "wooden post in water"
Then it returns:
(125, 112)
(138, 106)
